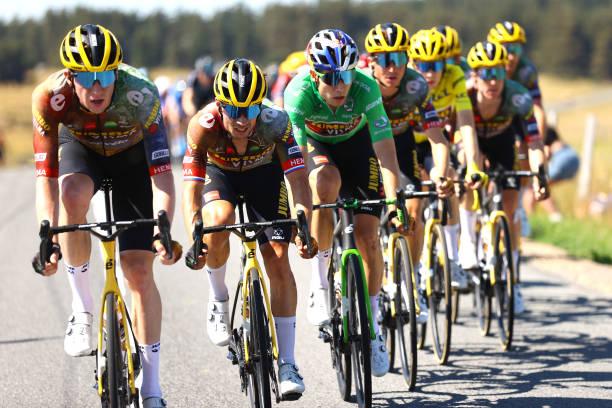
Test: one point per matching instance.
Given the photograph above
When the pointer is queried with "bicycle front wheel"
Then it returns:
(260, 353)
(116, 393)
(359, 333)
(405, 312)
(503, 288)
(439, 302)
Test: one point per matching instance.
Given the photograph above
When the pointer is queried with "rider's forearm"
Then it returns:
(540, 116)
(163, 194)
(47, 202)
(536, 154)
(192, 204)
(301, 193)
(465, 121)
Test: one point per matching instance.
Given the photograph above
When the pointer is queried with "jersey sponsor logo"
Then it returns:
(268, 115)
(212, 195)
(413, 86)
(39, 123)
(135, 98)
(39, 157)
(373, 178)
(187, 159)
(90, 125)
(278, 234)
(58, 102)
(283, 200)
(364, 86)
(333, 128)
(207, 120)
(152, 129)
(519, 100)
(154, 116)
(381, 122)
(373, 104)
(158, 154)
(349, 104)
(110, 124)
(163, 168)
(293, 150)
(320, 160)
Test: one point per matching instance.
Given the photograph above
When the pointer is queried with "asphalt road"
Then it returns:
(561, 355)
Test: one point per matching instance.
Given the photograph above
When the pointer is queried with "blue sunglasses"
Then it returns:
(489, 74)
(332, 78)
(386, 58)
(514, 49)
(235, 112)
(435, 66)
(87, 79)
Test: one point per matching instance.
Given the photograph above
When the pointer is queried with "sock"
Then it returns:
(285, 336)
(515, 257)
(374, 308)
(216, 279)
(79, 285)
(320, 264)
(452, 241)
(467, 220)
(148, 379)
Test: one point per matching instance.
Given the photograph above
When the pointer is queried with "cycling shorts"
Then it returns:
(425, 156)
(132, 195)
(358, 166)
(265, 194)
(407, 158)
(501, 151)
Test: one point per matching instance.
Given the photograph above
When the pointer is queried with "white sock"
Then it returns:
(216, 279)
(78, 277)
(374, 308)
(515, 257)
(452, 241)
(320, 264)
(285, 335)
(148, 379)
(467, 219)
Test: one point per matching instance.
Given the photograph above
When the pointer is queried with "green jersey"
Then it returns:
(311, 116)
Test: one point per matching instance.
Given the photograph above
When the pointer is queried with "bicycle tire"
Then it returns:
(455, 310)
(385, 321)
(405, 312)
(259, 346)
(503, 288)
(439, 302)
(116, 391)
(340, 352)
(482, 300)
(359, 333)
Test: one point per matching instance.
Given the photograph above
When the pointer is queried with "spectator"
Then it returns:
(199, 90)
(563, 163)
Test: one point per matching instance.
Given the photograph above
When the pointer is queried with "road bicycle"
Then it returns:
(436, 276)
(350, 330)
(493, 281)
(117, 354)
(253, 345)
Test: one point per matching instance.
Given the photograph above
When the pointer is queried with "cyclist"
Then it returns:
(428, 53)
(502, 108)
(243, 144)
(403, 90)
(453, 48)
(342, 129)
(286, 71)
(111, 127)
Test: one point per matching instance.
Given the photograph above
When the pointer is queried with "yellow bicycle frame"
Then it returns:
(253, 264)
(428, 227)
(489, 229)
(111, 286)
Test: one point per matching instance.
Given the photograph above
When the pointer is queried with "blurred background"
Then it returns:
(569, 41)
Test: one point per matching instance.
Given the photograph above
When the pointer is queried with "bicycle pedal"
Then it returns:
(294, 396)
(325, 334)
(232, 357)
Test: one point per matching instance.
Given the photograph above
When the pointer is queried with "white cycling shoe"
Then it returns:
(317, 313)
(519, 302)
(154, 402)
(290, 382)
(217, 318)
(77, 342)
(458, 276)
(380, 357)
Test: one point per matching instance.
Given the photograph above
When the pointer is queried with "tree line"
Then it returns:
(566, 37)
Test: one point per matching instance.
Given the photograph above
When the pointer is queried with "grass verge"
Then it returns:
(582, 238)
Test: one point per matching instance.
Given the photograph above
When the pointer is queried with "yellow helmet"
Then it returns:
(90, 48)
(387, 37)
(507, 32)
(293, 62)
(487, 54)
(453, 43)
(428, 45)
(240, 83)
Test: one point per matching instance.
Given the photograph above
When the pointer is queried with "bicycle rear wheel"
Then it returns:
(405, 312)
(117, 387)
(260, 356)
(359, 333)
(440, 306)
(503, 288)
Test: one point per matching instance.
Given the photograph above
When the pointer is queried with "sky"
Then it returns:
(36, 8)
